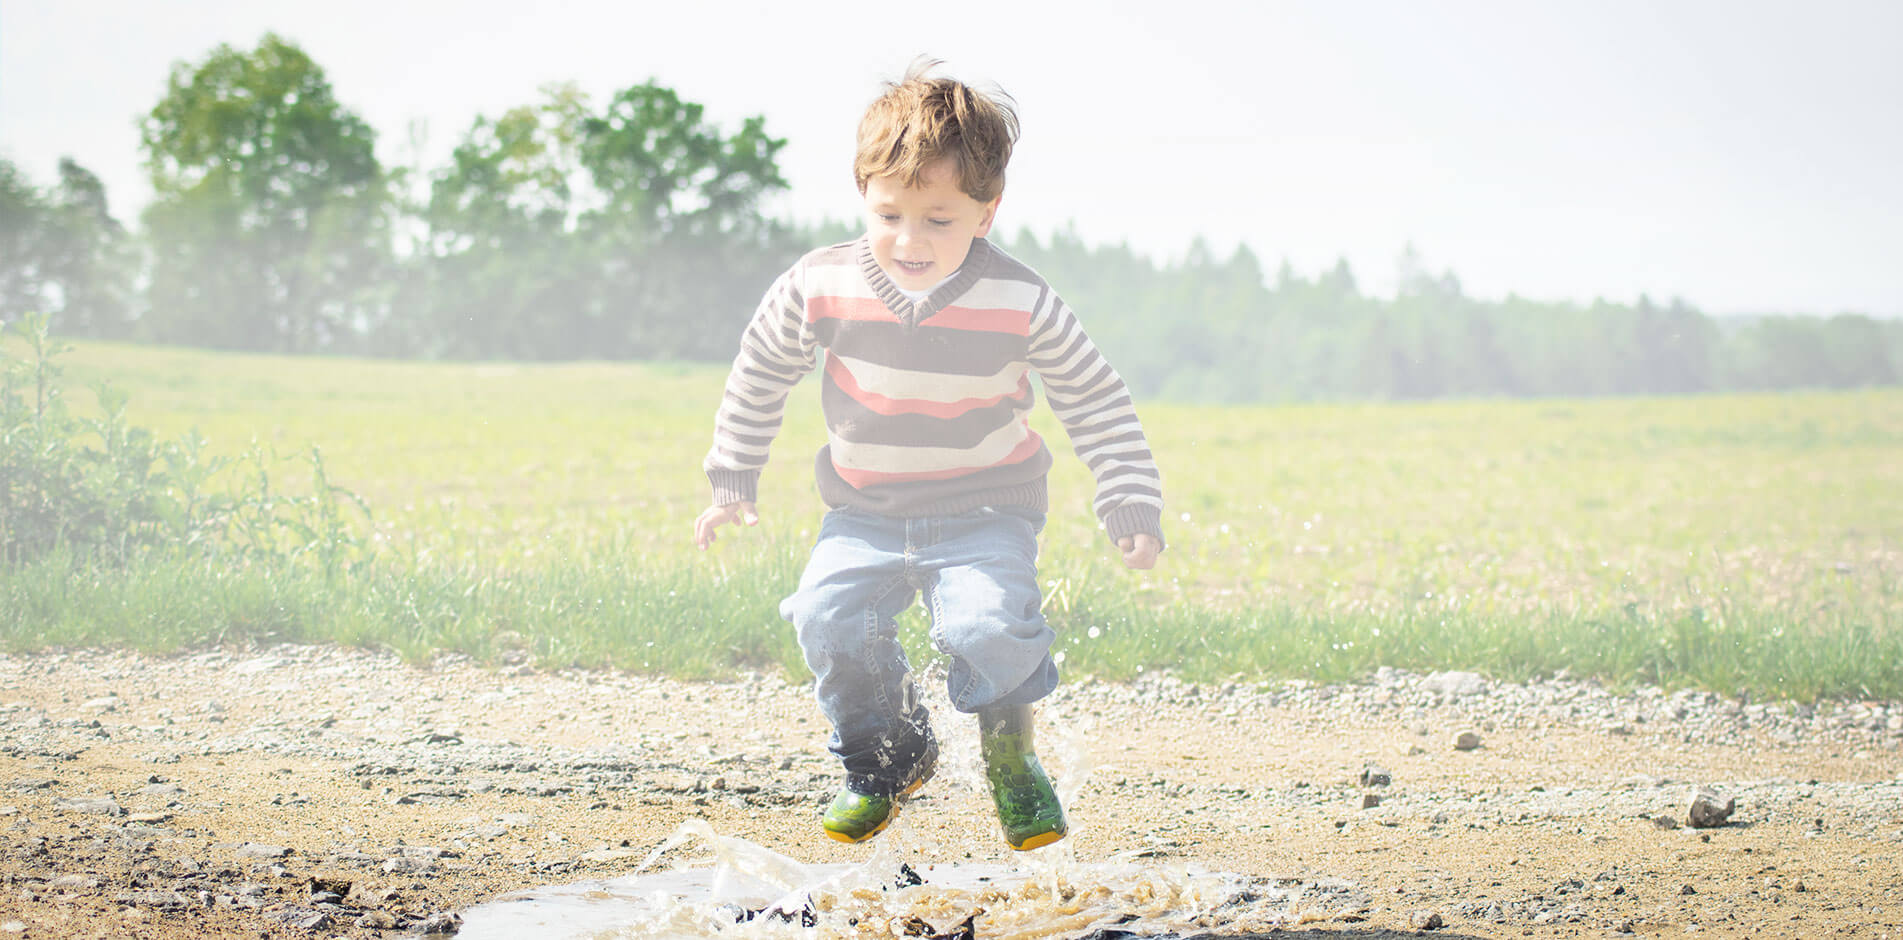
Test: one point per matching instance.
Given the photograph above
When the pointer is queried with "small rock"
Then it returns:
(1687, 889)
(1665, 821)
(422, 851)
(1455, 684)
(377, 920)
(304, 918)
(260, 850)
(1375, 775)
(164, 900)
(91, 805)
(1466, 740)
(1426, 920)
(407, 866)
(75, 882)
(448, 922)
(1709, 808)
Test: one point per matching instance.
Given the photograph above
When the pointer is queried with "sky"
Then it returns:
(1745, 156)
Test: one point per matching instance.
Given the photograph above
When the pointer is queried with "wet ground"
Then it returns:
(303, 792)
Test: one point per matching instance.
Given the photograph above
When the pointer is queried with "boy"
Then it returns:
(935, 481)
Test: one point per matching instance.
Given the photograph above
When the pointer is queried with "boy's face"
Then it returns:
(921, 234)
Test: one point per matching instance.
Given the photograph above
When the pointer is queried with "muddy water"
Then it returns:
(741, 889)
(701, 883)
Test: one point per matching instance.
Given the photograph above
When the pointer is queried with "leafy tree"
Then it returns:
(500, 273)
(90, 256)
(271, 213)
(62, 252)
(682, 245)
(560, 232)
(23, 212)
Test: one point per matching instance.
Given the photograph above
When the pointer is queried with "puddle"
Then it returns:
(741, 889)
(699, 883)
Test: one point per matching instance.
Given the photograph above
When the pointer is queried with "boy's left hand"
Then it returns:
(1139, 550)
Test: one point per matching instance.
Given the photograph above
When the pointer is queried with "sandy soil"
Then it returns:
(299, 792)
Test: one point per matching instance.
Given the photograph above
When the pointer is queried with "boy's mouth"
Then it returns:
(913, 267)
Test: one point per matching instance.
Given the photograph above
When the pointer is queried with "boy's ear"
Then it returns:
(991, 215)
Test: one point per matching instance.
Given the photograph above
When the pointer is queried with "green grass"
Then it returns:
(1744, 544)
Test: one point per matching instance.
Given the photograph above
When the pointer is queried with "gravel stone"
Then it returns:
(1709, 808)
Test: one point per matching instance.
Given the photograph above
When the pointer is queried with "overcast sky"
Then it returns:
(1746, 156)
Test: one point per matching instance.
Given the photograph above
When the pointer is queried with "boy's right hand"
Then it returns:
(713, 517)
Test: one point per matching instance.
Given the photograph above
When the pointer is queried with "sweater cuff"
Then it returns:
(734, 486)
(1135, 519)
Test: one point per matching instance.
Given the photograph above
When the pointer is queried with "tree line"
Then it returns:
(634, 229)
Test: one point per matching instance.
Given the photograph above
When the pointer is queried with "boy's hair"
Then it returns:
(919, 121)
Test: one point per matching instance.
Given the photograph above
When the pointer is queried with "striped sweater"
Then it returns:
(926, 402)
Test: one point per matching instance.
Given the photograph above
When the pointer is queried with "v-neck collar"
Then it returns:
(910, 312)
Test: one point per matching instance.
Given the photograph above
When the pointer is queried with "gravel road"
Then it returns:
(325, 792)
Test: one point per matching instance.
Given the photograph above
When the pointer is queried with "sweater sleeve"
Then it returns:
(1091, 401)
(776, 351)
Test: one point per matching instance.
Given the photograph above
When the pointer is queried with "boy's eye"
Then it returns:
(941, 223)
(887, 217)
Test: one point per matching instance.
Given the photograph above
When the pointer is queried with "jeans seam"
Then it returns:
(871, 621)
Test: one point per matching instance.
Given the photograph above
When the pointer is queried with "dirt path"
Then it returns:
(299, 792)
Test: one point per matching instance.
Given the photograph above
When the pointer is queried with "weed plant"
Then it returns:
(92, 491)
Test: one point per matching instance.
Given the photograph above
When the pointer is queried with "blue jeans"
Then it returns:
(978, 572)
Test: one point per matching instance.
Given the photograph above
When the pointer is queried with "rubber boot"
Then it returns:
(1027, 806)
(855, 816)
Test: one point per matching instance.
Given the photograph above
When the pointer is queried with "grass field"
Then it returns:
(1747, 544)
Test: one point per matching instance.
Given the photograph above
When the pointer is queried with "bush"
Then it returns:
(101, 491)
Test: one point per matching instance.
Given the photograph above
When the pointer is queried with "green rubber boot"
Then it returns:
(855, 817)
(1027, 806)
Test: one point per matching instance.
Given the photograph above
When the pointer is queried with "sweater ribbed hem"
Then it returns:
(734, 486)
(1135, 519)
(1032, 495)
(1020, 485)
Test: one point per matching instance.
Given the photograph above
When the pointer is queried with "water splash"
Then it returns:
(741, 889)
(738, 888)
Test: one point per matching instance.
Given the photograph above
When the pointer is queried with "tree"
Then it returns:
(500, 273)
(23, 212)
(89, 255)
(62, 253)
(683, 247)
(270, 217)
